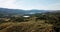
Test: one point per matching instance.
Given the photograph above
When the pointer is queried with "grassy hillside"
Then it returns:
(45, 22)
(26, 27)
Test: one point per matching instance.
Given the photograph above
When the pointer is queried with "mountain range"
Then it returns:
(19, 11)
(7, 11)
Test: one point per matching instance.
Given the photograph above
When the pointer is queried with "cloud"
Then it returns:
(8, 4)
(54, 6)
(14, 4)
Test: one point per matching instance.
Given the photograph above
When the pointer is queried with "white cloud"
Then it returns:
(20, 5)
(54, 6)
(8, 4)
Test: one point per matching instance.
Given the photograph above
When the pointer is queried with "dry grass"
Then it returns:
(25, 27)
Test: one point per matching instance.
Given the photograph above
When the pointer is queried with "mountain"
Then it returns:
(19, 11)
(56, 12)
(9, 12)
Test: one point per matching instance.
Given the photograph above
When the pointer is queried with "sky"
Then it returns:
(31, 4)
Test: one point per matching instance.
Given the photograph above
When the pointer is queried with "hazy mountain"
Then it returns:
(19, 11)
(10, 12)
(57, 12)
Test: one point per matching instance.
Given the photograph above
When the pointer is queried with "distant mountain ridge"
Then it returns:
(19, 11)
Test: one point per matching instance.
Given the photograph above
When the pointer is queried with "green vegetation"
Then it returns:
(35, 23)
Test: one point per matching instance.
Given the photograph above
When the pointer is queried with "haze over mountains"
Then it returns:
(19, 11)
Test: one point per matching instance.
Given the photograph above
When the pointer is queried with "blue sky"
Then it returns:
(31, 4)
